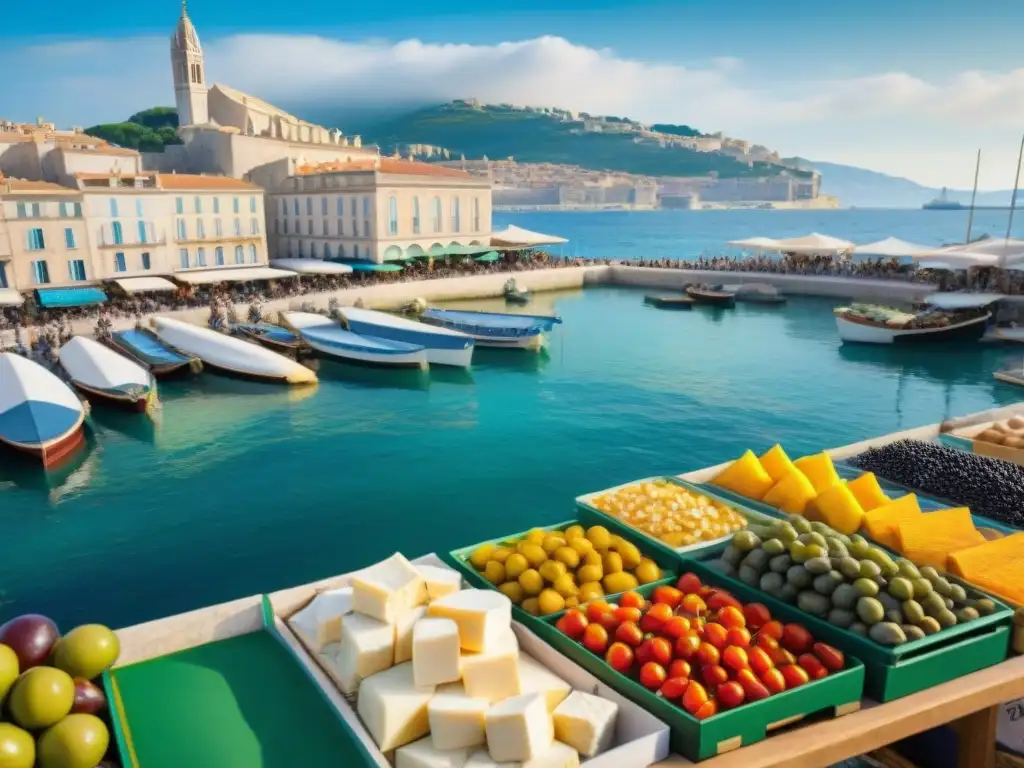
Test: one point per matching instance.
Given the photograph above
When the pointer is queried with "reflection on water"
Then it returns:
(511, 360)
(951, 363)
(26, 473)
(447, 374)
(372, 377)
(135, 426)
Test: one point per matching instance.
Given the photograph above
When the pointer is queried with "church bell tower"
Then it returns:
(190, 92)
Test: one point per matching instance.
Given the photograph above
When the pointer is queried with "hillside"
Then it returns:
(148, 131)
(532, 136)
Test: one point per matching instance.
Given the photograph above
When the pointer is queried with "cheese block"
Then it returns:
(534, 677)
(457, 720)
(494, 674)
(483, 616)
(519, 728)
(403, 632)
(440, 581)
(481, 759)
(586, 723)
(423, 754)
(435, 652)
(392, 708)
(367, 646)
(388, 589)
(559, 755)
(319, 622)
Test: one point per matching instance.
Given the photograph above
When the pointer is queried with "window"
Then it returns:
(309, 206)
(341, 251)
(239, 255)
(437, 214)
(69, 238)
(309, 226)
(201, 257)
(183, 258)
(326, 228)
(252, 253)
(355, 251)
(200, 229)
(238, 227)
(341, 206)
(40, 273)
(234, 204)
(366, 207)
(113, 206)
(323, 206)
(142, 232)
(144, 258)
(182, 230)
(416, 215)
(3, 275)
(312, 251)
(179, 205)
(198, 202)
(76, 270)
(217, 230)
(78, 209)
(216, 205)
(285, 225)
(252, 204)
(456, 223)
(352, 208)
(63, 208)
(138, 207)
(37, 210)
(392, 215)
(22, 213)
(341, 227)
(277, 226)
(254, 226)
(218, 256)
(36, 241)
(284, 206)
(302, 248)
(117, 232)
(119, 264)
(476, 214)
(296, 206)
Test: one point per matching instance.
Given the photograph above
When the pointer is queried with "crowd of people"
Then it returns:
(794, 264)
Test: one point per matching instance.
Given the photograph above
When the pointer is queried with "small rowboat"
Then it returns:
(444, 346)
(669, 302)
(328, 338)
(106, 377)
(39, 414)
(494, 329)
(517, 297)
(232, 356)
(711, 296)
(270, 336)
(148, 351)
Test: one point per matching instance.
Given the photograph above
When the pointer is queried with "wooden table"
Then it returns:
(970, 704)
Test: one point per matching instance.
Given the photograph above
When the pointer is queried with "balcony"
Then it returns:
(129, 237)
(108, 244)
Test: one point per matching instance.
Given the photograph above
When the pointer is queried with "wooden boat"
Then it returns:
(230, 355)
(494, 329)
(444, 346)
(270, 336)
(670, 302)
(711, 296)
(39, 414)
(106, 377)
(147, 350)
(755, 293)
(941, 317)
(327, 337)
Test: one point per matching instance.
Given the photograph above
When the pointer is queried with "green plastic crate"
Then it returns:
(838, 694)
(459, 558)
(903, 669)
(760, 516)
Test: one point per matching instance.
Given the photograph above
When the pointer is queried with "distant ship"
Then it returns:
(943, 203)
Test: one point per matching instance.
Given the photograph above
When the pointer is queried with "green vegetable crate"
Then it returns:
(838, 694)
(668, 562)
(753, 516)
(892, 672)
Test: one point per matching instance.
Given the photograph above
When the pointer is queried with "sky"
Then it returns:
(905, 87)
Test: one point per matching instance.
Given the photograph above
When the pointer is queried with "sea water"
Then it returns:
(243, 487)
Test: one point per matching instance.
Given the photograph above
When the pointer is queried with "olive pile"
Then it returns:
(848, 582)
(990, 487)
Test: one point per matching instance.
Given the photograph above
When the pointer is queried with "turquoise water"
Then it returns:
(247, 487)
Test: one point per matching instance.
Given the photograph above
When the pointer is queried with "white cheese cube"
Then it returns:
(387, 589)
(483, 760)
(367, 646)
(319, 622)
(457, 721)
(536, 678)
(558, 756)
(483, 616)
(435, 651)
(440, 581)
(423, 754)
(494, 674)
(392, 708)
(451, 688)
(519, 728)
(403, 633)
(586, 723)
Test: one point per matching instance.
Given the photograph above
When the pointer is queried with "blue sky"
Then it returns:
(905, 86)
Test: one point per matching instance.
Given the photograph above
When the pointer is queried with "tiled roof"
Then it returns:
(189, 181)
(8, 186)
(385, 165)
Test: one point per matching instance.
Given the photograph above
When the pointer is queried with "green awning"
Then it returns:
(467, 250)
(371, 266)
(487, 258)
(69, 297)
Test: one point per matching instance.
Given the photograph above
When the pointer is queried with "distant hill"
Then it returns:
(535, 136)
(858, 187)
(147, 131)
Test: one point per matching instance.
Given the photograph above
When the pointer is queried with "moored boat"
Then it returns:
(669, 302)
(106, 377)
(515, 295)
(327, 337)
(39, 414)
(148, 351)
(444, 346)
(715, 297)
(494, 329)
(270, 336)
(944, 317)
(230, 355)
(755, 293)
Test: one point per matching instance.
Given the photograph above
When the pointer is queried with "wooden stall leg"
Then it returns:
(976, 738)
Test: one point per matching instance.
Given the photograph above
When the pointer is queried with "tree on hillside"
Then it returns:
(147, 131)
(675, 130)
(156, 117)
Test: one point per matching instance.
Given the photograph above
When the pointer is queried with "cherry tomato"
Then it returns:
(773, 680)
(781, 657)
(794, 675)
(573, 623)
(675, 627)
(767, 642)
(652, 676)
(689, 584)
(674, 688)
(713, 674)
(708, 654)
(717, 635)
(656, 617)
(679, 668)
(661, 651)
(608, 620)
(753, 688)
(694, 697)
(687, 646)
(760, 661)
(730, 694)
(719, 599)
(693, 605)
(668, 595)
(707, 709)
(731, 617)
(619, 657)
(597, 608)
(735, 658)
(832, 658)
(815, 669)
(796, 639)
(624, 614)
(757, 615)
(595, 638)
(739, 637)
(771, 629)
(632, 600)
(629, 633)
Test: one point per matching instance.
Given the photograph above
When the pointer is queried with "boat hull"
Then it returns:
(518, 297)
(123, 401)
(712, 298)
(366, 358)
(854, 332)
(670, 302)
(443, 346)
(53, 452)
(161, 370)
(290, 348)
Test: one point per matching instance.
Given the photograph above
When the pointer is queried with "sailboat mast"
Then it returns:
(974, 195)
(1013, 195)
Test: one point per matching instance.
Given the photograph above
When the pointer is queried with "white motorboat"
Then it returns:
(444, 346)
(106, 377)
(494, 329)
(231, 355)
(331, 340)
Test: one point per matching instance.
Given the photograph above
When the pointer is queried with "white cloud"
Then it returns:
(894, 122)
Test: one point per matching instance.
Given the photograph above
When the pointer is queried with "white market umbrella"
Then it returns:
(891, 248)
(815, 244)
(518, 237)
(756, 244)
